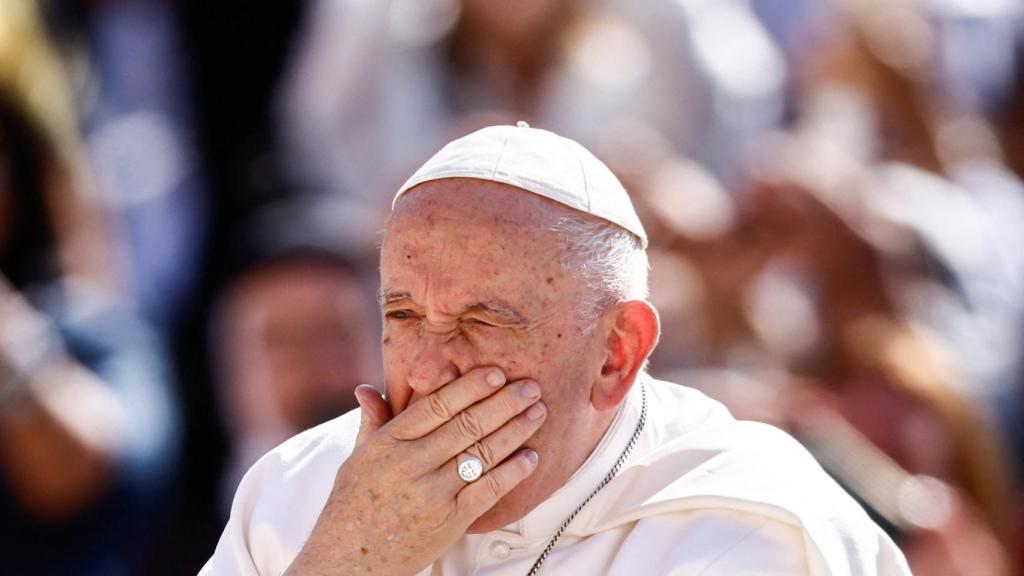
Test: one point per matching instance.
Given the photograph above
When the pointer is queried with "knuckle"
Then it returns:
(486, 455)
(519, 428)
(469, 425)
(511, 402)
(493, 486)
(435, 445)
(438, 407)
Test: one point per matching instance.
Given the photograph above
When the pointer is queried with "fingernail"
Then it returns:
(360, 392)
(531, 457)
(530, 390)
(536, 412)
(495, 378)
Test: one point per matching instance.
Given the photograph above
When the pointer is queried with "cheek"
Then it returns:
(500, 348)
(570, 359)
(398, 338)
(396, 348)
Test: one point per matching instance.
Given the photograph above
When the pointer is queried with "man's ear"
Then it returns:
(634, 332)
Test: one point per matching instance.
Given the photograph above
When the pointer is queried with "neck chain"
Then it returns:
(611, 474)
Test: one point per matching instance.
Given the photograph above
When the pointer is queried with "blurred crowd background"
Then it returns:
(191, 196)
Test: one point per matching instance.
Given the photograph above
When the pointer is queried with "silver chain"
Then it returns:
(611, 474)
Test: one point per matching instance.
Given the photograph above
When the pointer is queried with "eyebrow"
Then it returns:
(499, 308)
(503, 310)
(388, 297)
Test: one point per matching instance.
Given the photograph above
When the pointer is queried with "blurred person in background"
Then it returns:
(375, 86)
(910, 87)
(131, 76)
(88, 421)
(804, 274)
(1010, 115)
(292, 335)
(701, 261)
(1010, 124)
(907, 402)
(904, 88)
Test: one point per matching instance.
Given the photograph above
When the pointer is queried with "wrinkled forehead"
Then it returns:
(475, 217)
(467, 235)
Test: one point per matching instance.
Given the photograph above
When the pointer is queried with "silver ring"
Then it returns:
(470, 468)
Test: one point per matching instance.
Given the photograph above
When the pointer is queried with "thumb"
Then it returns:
(374, 411)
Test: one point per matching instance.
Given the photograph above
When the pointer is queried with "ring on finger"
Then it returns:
(470, 467)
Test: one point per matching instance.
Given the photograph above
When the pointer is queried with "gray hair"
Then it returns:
(609, 259)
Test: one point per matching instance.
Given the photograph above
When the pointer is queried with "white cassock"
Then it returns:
(700, 494)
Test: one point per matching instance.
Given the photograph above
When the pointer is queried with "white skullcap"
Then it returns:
(537, 161)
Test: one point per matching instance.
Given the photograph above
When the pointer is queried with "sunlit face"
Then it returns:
(471, 276)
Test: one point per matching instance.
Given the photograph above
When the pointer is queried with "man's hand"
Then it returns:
(398, 502)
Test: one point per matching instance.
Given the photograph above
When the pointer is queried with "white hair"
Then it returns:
(610, 260)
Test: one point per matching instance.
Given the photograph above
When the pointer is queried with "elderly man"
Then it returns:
(519, 433)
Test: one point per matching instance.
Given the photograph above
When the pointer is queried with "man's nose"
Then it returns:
(439, 359)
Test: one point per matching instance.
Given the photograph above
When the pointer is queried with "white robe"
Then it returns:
(701, 494)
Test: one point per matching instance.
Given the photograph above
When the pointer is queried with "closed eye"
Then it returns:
(479, 323)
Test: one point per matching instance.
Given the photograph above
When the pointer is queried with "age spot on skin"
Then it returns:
(374, 496)
(364, 551)
(550, 280)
